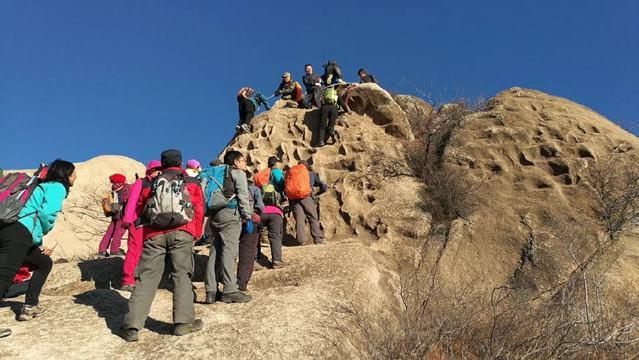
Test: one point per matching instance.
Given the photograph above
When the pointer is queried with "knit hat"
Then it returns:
(117, 179)
(286, 74)
(193, 164)
(152, 165)
(272, 161)
(171, 158)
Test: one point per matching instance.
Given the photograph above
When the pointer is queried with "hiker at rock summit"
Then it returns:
(299, 183)
(21, 241)
(168, 231)
(113, 204)
(271, 182)
(313, 85)
(227, 222)
(132, 221)
(290, 90)
(328, 115)
(193, 168)
(332, 73)
(249, 101)
(365, 77)
(249, 241)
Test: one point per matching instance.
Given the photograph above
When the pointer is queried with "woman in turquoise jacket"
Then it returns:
(21, 242)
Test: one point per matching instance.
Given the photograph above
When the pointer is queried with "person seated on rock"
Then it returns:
(113, 204)
(249, 101)
(193, 168)
(313, 85)
(328, 115)
(227, 224)
(249, 241)
(168, 234)
(332, 73)
(21, 241)
(299, 184)
(290, 90)
(271, 182)
(365, 77)
(132, 221)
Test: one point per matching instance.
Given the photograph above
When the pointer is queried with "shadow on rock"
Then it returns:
(312, 120)
(15, 306)
(105, 273)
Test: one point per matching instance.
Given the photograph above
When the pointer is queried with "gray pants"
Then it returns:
(227, 227)
(274, 224)
(306, 208)
(179, 245)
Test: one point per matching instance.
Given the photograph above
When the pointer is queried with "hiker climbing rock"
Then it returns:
(170, 231)
(332, 73)
(290, 90)
(249, 101)
(365, 77)
(249, 241)
(328, 115)
(313, 85)
(30, 205)
(299, 184)
(230, 213)
(132, 221)
(113, 204)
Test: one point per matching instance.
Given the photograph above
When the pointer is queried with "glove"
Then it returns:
(276, 93)
(248, 226)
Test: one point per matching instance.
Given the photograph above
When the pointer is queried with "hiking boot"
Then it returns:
(278, 264)
(29, 312)
(103, 255)
(184, 329)
(236, 297)
(4, 332)
(120, 252)
(128, 288)
(129, 335)
(246, 128)
(212, 297)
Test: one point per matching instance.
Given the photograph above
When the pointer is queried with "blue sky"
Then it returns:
(86, 78)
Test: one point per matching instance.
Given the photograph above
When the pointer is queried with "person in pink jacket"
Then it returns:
(131, 221)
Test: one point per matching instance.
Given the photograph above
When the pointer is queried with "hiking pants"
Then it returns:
(246, 258)
(42, 265)
(15, 242)
(328, 116)
(274, 224)
(179, 246)
(113, 235)
(313, 98)
(227, 227)
(306, 208)
(247, 111)
(133, 251)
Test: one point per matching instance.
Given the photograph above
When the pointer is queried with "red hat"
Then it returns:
(117, 179)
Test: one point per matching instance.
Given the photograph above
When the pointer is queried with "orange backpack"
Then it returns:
(262, 178)
(297, 183)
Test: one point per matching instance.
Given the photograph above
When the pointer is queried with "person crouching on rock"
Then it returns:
(113, 206)
(21, 241)
(131, 221)
(168, 230)
(290, 90)
(227, 224)
(249, 101)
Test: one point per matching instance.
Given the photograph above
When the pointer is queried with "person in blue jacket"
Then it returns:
(21, 241)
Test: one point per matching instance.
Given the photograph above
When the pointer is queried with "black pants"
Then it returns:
(42, 265)
(247, 111)
(246, 256)
(15, 242)
(274, 224)
(328, 116)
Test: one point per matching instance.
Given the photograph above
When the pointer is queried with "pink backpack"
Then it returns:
(15, 190)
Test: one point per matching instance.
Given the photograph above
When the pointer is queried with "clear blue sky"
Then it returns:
(85, 78)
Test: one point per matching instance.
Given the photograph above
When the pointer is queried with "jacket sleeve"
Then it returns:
(130, 214)
(197, 200)
(278, 180)
(51, 206)
(257, 197)
(242, 191)
(319, 183)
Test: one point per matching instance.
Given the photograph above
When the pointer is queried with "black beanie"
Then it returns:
(272, 161)
(171, 158)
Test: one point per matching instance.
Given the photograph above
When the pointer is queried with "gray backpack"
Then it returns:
(169, 205)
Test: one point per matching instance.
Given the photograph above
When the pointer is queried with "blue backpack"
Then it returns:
(219, 189)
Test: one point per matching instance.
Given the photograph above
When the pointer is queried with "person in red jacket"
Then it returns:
(161, 238)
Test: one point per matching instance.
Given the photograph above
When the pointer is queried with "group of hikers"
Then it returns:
(328, 92)
(165, 213)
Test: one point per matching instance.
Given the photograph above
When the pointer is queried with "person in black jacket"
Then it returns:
(332, 73)
(313, 85)
(365, 77)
